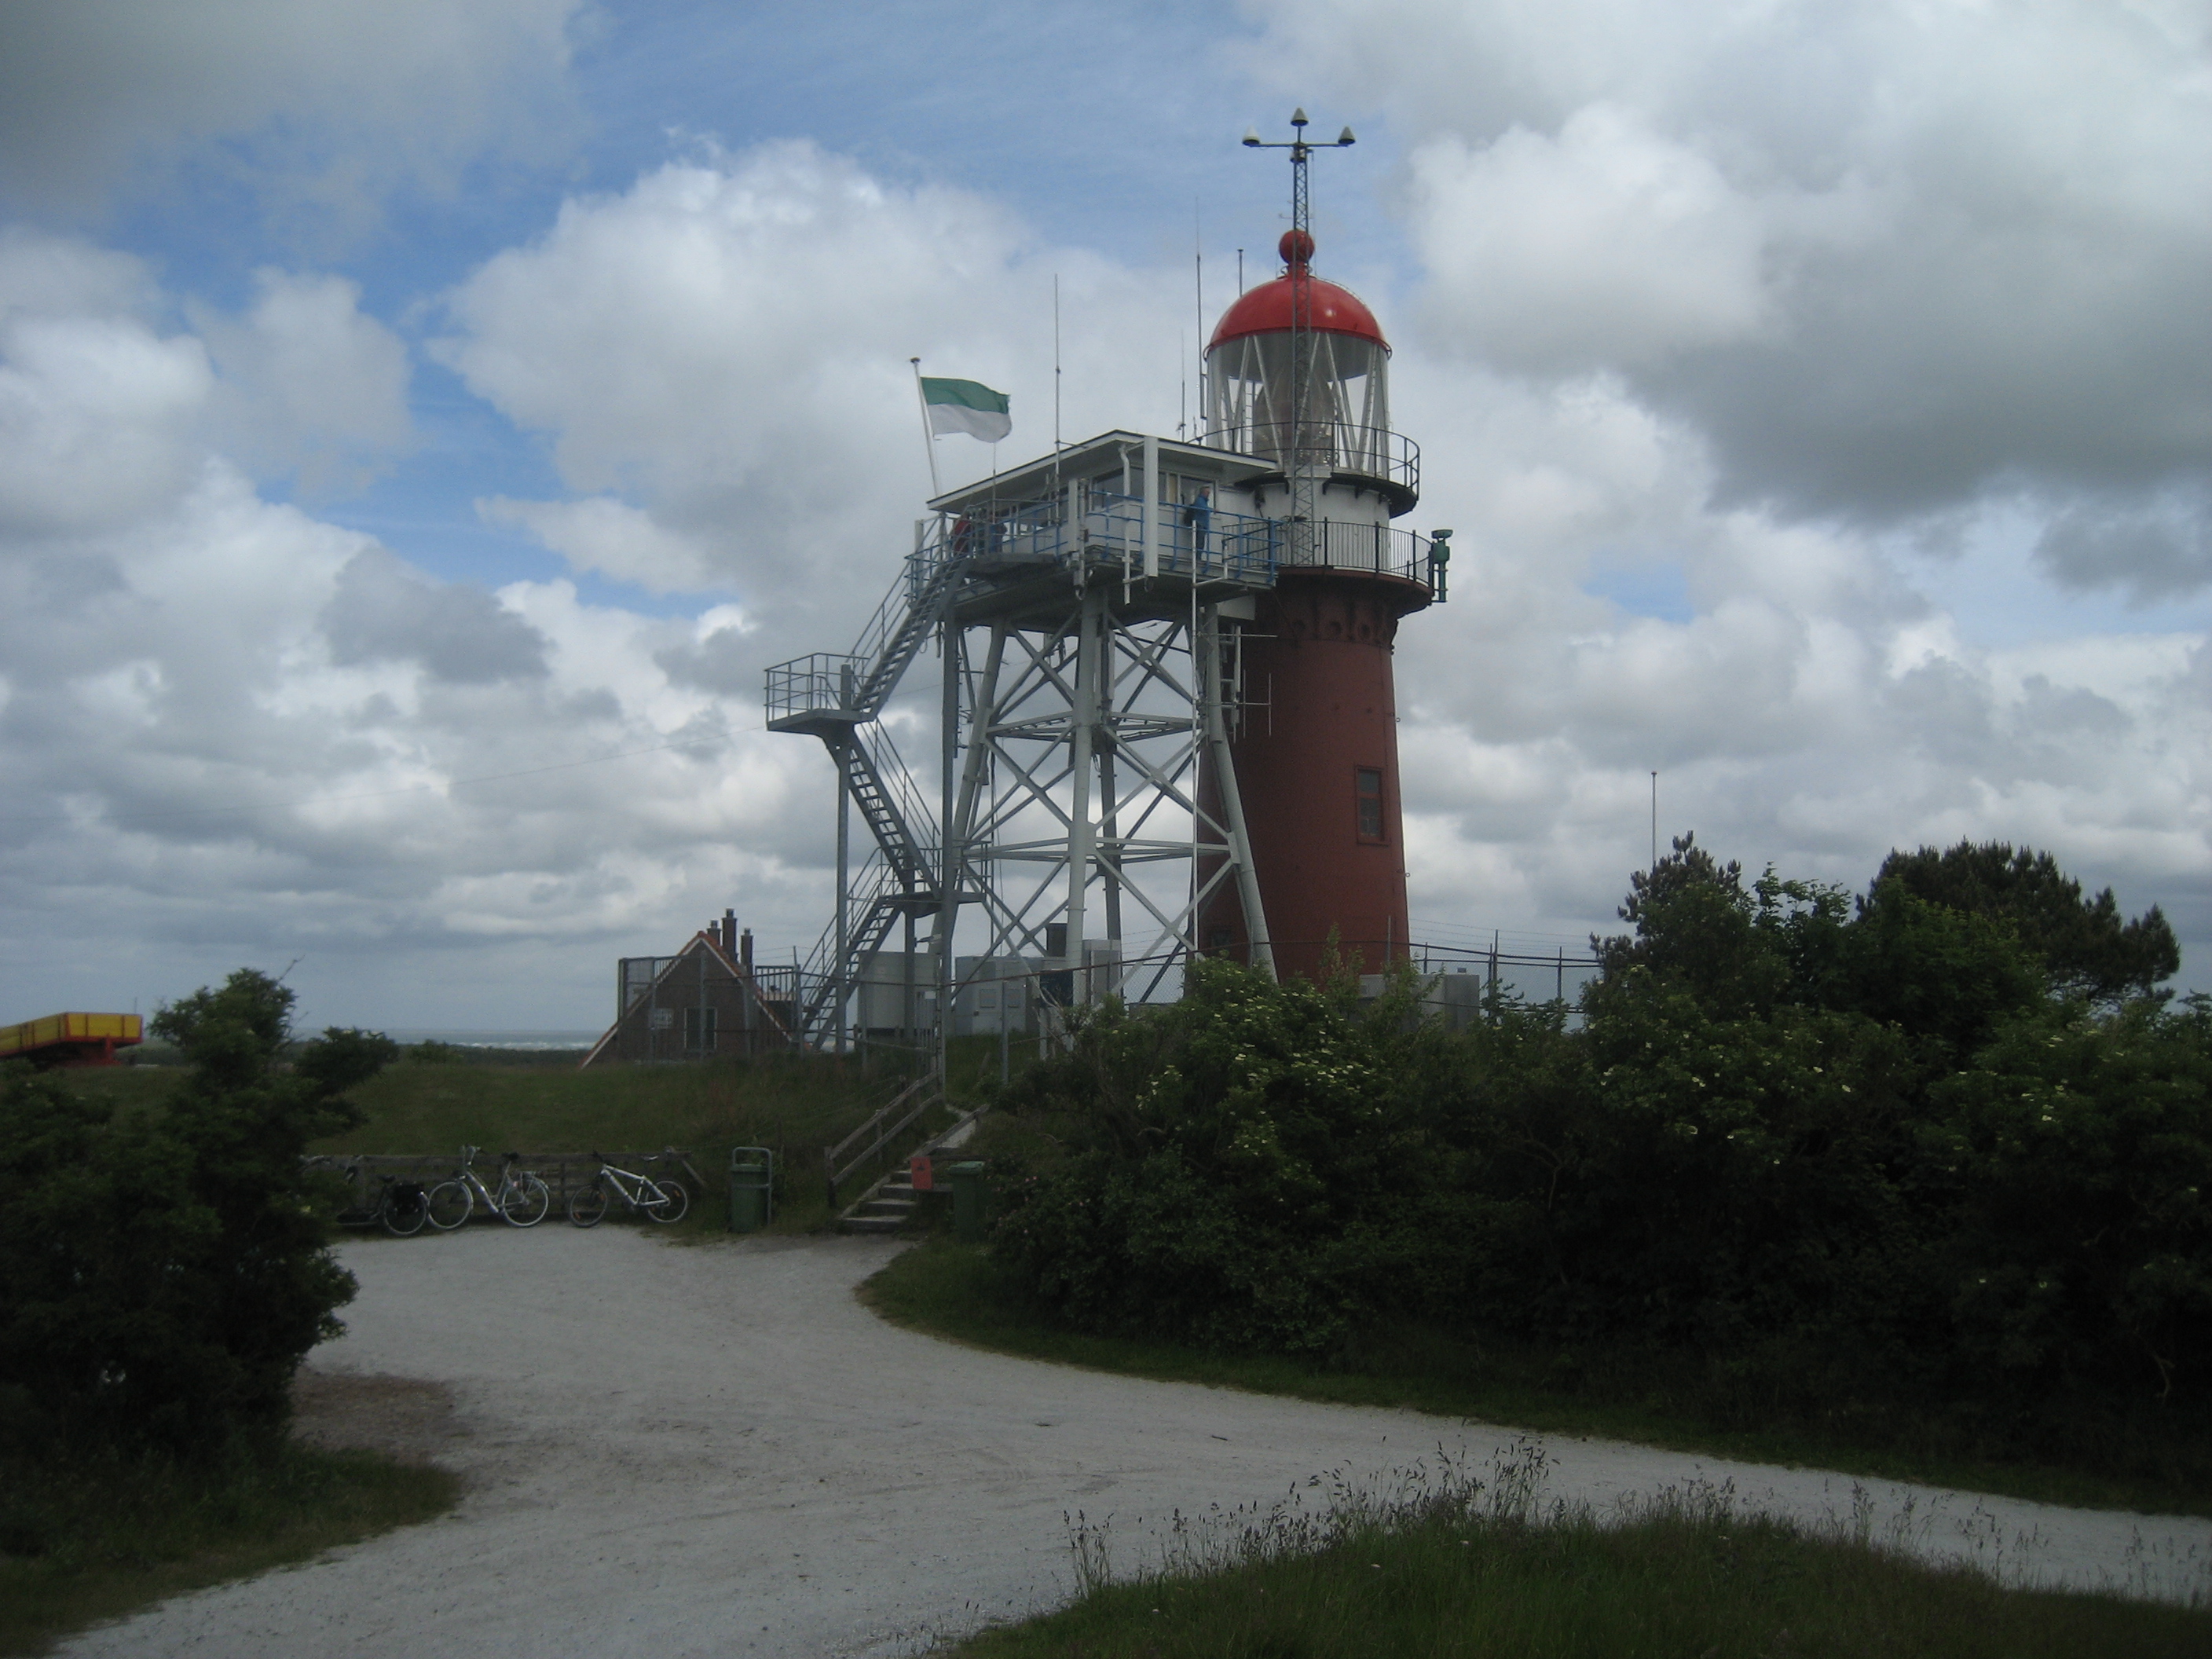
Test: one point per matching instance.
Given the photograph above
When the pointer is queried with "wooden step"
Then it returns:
(871, 1224)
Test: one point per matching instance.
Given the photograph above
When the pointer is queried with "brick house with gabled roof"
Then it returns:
(703, 1003)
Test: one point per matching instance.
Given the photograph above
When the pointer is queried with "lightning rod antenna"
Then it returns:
(1198, 281)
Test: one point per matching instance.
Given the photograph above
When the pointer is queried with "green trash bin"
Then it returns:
(971, 1202)
(752, 1189)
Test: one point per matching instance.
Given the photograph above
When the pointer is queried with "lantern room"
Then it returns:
(1298, 373)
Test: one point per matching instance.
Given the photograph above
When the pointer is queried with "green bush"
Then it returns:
(2079, 1152)
(1944, 1143)
(166, 1271)
(1255, 1165)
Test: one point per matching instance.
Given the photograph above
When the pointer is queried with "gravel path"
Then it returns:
(716, 1450)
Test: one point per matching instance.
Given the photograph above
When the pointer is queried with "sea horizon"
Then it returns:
(496, 1039)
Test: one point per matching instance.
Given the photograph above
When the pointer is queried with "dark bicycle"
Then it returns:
(400, 1207)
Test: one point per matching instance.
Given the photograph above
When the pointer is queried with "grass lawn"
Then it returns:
(795, 1105)
(1677, 1584)
(952, 1291)
(92, 1541)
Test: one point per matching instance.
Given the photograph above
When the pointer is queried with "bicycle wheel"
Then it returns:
(404, 1210)
(676, 1200)
(524, 1201)
(451, 1204)
(587, 1205)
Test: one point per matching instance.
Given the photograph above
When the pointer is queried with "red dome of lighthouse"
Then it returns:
(1266, 309)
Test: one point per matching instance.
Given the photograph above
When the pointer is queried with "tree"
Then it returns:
(168, 1271)
(1737, 950)
(1697, 927)
(1949, 975)
(2086, 948)
(341, 1059)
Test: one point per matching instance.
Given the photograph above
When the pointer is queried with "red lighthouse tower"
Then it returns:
(1297, 374)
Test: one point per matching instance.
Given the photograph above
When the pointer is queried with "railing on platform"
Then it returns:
(1207, 545)
(819, 680)
(1378, 550)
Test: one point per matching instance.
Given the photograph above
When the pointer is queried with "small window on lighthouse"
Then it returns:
(1367, 799)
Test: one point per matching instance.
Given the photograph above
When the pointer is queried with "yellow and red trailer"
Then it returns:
(71, 1039)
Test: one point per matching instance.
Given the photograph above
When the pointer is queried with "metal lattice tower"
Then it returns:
(1077, 607)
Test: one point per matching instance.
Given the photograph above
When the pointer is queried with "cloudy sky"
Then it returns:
(419, 423)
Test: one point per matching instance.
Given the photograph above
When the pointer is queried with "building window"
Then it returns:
(698, 1031)
(1367, 800)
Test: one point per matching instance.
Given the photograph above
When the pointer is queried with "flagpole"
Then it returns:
(929, 438)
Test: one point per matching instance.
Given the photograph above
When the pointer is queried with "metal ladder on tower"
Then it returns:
(834, 699)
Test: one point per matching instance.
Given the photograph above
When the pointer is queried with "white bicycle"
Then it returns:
(522, 1199)
(661, 1198)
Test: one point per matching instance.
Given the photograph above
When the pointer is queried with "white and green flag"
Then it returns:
(968, 406)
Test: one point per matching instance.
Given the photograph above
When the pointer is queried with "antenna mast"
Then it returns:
(1198, 283)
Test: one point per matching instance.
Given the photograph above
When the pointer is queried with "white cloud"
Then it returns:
(381, 612)
(231, 732)
(96, 406)
(613, 538)
(1884, 258)
(1812, 706)
(313, 385)
(1608, 245)
(317, 105)
(719, 358)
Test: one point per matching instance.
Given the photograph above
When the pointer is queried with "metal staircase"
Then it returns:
(838, 699)
(878, 900)
(883, 790)
(901, 624)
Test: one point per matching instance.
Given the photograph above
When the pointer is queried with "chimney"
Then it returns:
(729, 932)
(745, 949)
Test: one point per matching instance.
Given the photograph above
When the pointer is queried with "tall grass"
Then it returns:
(1445, 1560)
(98, 1534)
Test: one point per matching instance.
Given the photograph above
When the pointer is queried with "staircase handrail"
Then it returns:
(899, 807)
(895, 633)
(917, 1097)
(890, 768)
(876, 878)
